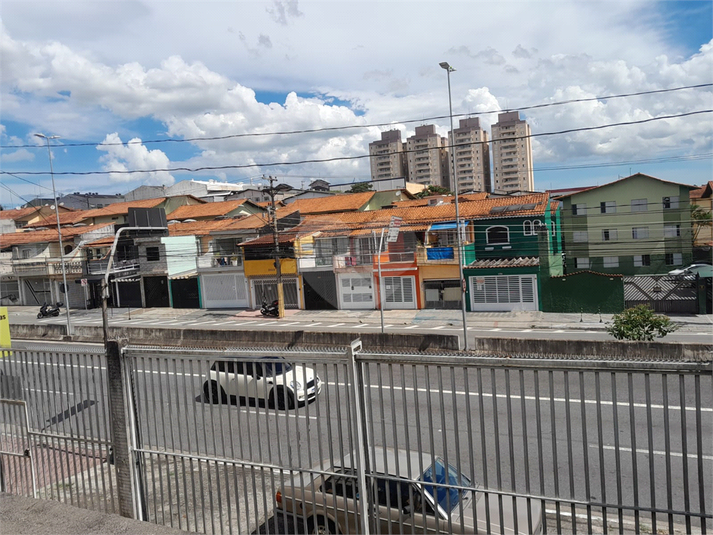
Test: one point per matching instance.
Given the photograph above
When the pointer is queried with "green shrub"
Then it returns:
(640, 323)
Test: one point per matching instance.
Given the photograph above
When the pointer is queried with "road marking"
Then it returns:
(290, 323)
(526, 331)
(558, 331)
(314, 324)
(495, 330)
(227, 322)
(654, 452)
(411, 326)
(438, 328)
(336, 325)
(266, 324)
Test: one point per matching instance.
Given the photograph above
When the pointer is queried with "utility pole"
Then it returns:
(276, 238)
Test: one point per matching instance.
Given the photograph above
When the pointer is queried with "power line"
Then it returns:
(372, 125)
(358, 157)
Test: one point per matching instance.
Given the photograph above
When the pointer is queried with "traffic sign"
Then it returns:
(84, 282)
(394, 226)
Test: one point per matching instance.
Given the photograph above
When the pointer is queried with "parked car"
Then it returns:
(406, 499)
(271, 379)
(702, 270)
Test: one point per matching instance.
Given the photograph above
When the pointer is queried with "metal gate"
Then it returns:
(663, 293)
(17, 467)
(156, 292)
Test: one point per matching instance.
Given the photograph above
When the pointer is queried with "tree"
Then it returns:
(433, 190)
(700, 218)
(640, 323)
(360, 187)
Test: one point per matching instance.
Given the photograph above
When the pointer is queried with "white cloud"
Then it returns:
(20, 155)
(134, 156)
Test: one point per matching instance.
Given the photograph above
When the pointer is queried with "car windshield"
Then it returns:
(273, 366)
(437, 473)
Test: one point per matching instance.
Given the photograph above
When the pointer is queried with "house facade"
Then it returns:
(638, 225)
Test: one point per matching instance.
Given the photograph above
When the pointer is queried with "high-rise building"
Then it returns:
(472, 156)
(512, 154)
(387, 156)
(427, 157)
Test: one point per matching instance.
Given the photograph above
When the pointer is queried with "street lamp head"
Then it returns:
(446, 66)
(46, 137)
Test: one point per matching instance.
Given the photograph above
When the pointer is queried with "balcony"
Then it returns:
(437, 256)
(211, 261)
(45, 268)
(351, 260)
(124, 267)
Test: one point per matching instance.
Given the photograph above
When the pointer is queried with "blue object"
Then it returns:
(439, 253)
(448, 225)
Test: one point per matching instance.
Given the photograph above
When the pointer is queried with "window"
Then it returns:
(639, 205)
(607, 207)
(611, 261)
(610, 234)
(670, 203)
(581, 263)
(640, 233)
(152, 254)
(674, 259)
(497, 235)
(579, 209)
(342, 485)
(527, 228)
(642, 260)
(672, 231)
(580, 236)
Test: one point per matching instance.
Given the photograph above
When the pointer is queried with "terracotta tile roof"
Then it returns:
(466, 197)
(521, 261)
(20, 213)
(579, 272)
(206, 210)
(122, 208)
(620, 180)
(197, 228)
(254, 221)
(703, 191)
(335, 203)
(45, 236)
(65, 218)
(101, 242)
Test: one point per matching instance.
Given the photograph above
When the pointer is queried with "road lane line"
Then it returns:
(655, 452)
(495, 330)
(290, 323)
(438, 328)
(314, 324)
(411, 326)
(336, 325)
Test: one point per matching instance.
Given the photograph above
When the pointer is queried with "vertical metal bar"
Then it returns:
(441, 400)
(483, 448)
(76, 440)
(585, 450)
(667, 443)
(699, 453)
(209, 470)
(44, 402)
(150, 411)
(55, 396)
(175, 422)
(67, 427)
(684, 451)
(198, 461)
(600, 444)
(91, 393)
(649, 430)
(155, 408)
(180, 448)
(456, 427)
(188, 448)
(511, 448)
(362, 424)
(81, 415)
(617, 452)
(526, 449)
(33, 475)
(570, 460)
(555, 462)
(417, 410)
(634, 454)
(381, 418)
(540, 455)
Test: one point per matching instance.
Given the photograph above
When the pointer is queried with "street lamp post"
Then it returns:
(59, 232)
(449, 70)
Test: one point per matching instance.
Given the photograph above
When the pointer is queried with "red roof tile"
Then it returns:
(45, 236)
(206, 210)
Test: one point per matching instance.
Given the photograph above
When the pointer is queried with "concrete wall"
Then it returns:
(586, 349)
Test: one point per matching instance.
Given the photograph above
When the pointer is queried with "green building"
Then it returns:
(638, 225)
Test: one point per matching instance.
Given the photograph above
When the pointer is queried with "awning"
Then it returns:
(185, 275)
(447, 225)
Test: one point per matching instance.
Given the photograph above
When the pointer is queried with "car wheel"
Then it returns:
(321, 526)
(214, 393)
(281, 399)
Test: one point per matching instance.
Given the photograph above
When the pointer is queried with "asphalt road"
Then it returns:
(689, 334)
(554, 433)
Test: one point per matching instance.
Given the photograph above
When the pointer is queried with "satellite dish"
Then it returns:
(52, 207)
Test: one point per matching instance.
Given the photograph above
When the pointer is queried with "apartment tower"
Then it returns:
(427, 157)
(512, 154)
(472, 156)
(387, 156)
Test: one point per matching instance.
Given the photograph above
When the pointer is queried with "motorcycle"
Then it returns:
(269, 310)
(49, 310)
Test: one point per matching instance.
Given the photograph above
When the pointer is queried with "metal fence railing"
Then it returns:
(281, 441)
(65, 442)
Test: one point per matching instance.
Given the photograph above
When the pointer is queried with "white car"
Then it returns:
(271, 379)
(702, 270)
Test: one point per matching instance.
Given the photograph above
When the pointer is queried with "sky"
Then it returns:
(137, 85)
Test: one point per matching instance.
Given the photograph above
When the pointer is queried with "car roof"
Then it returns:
(396, 462)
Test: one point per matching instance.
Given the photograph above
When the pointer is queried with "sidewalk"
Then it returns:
(27, 516)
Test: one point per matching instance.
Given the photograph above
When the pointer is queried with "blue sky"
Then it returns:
(289, 65)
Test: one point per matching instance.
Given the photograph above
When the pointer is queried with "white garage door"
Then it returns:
(224, 291)
(503, 292)
(399, 293)
(356, 291)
